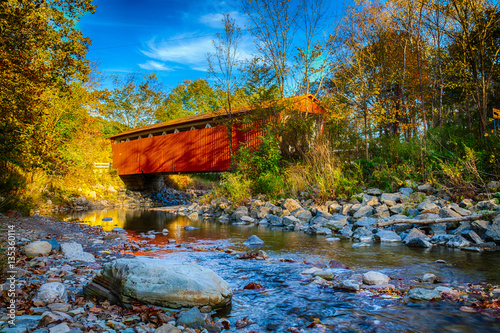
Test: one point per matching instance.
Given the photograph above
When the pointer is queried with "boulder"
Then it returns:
(74, 251)
(348, 285)
(430, 278)
(165, 328)
(441, 239)
(458, 242)
(291, 205)
(326, 274)
(337, 222)
(493, 231)
(191, 318)
(382, 211)
(165, 283)
(253, 241)
(386, 236)
(239, 212)
(473, 237)
(36, 248)
(362, 235)
(419, 242)
(415, 233)
(290, 220)
(346, 231)
(336, 264)
(247, 219)
(363, 211)
(461, 211)
(389, 198)
(275, 220)
(422, 294)
(365, 222)
(373, 191)
(426, 188)
(304, 216)
(397, 209)
(448, 212)
(406, 191)
(52, 292)
(428, 206)
(373, 278)
(193, 216)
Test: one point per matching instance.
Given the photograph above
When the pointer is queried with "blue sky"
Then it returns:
(169, 37)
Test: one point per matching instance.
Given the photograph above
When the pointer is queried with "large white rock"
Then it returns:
(52, 292)
(74, 251)
(373, 278)
(36, 248)
(166, 283)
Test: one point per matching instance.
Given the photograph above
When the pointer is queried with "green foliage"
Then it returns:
(236, 187)
(136, 101)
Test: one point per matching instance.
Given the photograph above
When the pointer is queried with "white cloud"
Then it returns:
(188, 51)
(214, 20)
(155, 66)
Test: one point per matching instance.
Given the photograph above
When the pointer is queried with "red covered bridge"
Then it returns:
(197, 143)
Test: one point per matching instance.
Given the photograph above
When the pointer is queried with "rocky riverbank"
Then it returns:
(48, 275)
(122, 198)
(417, 217)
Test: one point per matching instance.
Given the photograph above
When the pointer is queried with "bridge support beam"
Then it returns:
(143, 182)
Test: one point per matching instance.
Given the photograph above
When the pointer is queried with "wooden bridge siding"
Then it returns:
(191, 151)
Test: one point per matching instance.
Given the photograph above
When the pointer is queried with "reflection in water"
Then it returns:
(287, 302)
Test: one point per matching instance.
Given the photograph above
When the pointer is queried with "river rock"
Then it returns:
(275, 220)
(438, 228)
(382, 211)
(493, 230)
(51, 292)
(60, 307)
(193, 216)
(441, 239)
(253, 241)
(239, 212)
(165, 283)
(447, 213)
(336, 264)
(166, 328)
(461, 211)
(364, 211)
(473, 237)
(458, 242)
(60, 328)
(52, 317)
(74, 252)
(386, 236)
(336, 222)
(348, 285)
(414, 233)
(397, 209)
(428, 206)
(426, 188)
(390, 198)
(362, 234)
(406, 191)
(374, 278)
(346, 231)
(422, 294)
(247, 219)
(291, 205)
(36, 248)
(430, 278)
(290, 220)
(191, 318)
(324, 274)
(419, 242)
(366, 222)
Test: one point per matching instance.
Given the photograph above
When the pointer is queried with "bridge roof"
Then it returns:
(240, 110)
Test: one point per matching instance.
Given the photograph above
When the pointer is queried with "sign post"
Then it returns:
(496, 117)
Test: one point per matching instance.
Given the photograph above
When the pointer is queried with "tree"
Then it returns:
(190, 98)
(273, 25)
(136, 101)
(223, 65)
(41, 52)
(476, 37)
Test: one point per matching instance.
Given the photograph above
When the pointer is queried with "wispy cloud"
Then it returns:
(214, 20)
(189, 51)
(155, 66)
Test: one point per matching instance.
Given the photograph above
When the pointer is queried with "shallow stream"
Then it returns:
(289, 299)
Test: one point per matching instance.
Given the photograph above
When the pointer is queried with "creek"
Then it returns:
(290, 299)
